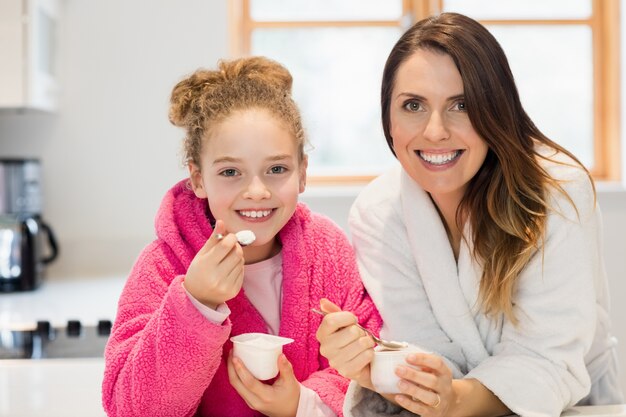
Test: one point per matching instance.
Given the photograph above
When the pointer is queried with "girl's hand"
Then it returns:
(278, 400)
(215, 274)
(427, 392)
(348, 349)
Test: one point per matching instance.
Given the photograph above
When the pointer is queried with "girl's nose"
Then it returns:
(256, 189)
(436, 129)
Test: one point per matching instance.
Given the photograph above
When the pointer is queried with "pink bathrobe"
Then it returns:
(164, 358)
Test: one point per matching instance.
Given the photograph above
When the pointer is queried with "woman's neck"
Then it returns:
(447, 205)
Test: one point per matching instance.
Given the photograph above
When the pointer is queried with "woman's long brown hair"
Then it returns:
(505, 202)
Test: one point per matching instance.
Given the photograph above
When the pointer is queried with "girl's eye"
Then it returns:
(413, 106)
(230, 172)
(278, 169)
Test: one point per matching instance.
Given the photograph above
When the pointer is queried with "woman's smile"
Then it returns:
(433, 137)
(438, 159)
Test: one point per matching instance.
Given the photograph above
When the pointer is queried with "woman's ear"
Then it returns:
(303, 166)
(195, 177)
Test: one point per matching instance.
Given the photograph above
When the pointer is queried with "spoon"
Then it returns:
(244, 237)
(386, 344)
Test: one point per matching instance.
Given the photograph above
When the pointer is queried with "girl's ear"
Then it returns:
(195, 177)
(303, 166)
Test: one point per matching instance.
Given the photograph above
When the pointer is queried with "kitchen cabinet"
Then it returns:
(28, 53)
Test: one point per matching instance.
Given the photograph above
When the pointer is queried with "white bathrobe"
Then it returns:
(561, 353)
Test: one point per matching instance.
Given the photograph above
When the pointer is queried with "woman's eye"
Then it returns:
(228, 172)
(413, 106)
(460, 106)
(278, 169)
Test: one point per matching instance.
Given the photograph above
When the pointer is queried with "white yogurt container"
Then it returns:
(259, 353)
(383, 368)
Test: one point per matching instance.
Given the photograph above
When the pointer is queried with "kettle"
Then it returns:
(24, 236)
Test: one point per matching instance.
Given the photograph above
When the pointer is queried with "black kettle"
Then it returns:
(27, 243)
(22, 245)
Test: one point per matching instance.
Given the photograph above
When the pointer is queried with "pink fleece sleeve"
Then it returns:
(342, 285)
(162, 353)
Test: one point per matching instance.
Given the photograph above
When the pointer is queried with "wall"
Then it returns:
(110, 153)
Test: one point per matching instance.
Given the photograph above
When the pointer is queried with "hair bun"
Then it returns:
(185, 95)
(188, 95)
(259, 69)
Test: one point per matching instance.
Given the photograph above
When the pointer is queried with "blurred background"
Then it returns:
(108, 153)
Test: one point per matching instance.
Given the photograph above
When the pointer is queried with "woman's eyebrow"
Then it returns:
(411, 95)
(422, 98)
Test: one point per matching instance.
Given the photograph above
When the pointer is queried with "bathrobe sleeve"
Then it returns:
(390, 274)
(162, 353)
(538, 367)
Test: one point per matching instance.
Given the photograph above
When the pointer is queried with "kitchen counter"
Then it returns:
(51, 387)
(72, 388)
(57, 301)
(597, 411)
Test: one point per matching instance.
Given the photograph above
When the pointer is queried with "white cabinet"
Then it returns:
(28, 54)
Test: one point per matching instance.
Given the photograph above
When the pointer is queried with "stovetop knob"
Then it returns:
(104, 327)
(43, 329)
(73, 328)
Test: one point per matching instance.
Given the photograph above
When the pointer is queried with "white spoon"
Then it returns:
(244, 237)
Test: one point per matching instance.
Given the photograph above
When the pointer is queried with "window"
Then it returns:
(563, 53)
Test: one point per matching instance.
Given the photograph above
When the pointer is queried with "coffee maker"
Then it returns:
(27, 243)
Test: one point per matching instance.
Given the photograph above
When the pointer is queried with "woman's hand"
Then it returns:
(215, 274)
(427, 392)
(348, 349)
(278, 400)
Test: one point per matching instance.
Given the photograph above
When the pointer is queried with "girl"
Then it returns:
(195, 286)
(484, 248)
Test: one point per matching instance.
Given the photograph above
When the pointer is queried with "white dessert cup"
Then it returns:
(383, 368)
(259, 353)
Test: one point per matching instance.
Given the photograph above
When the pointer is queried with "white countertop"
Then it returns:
(597, 411)
(57, 301)
(51, 387)
(72, 388)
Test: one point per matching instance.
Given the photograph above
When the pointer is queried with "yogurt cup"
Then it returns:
(259, 353)
(383, 368)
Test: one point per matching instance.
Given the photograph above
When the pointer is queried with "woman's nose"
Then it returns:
(436, 129)
(256, 189)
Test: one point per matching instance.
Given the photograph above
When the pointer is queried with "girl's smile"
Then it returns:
(255, 216)
(252, 175)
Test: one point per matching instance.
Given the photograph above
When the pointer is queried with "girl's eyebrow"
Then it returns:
(279, 157)
(231, 160)
(226, 159)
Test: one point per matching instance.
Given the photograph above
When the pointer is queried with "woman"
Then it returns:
(484, 248)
